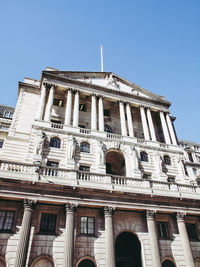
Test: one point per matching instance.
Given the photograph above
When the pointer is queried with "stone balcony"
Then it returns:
(49, 175)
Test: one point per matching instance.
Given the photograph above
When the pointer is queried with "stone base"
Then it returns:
(70, 164)
(160, 176)
(184, 179)
(137, 174)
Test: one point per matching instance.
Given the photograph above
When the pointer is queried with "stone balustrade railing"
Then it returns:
(15, 170)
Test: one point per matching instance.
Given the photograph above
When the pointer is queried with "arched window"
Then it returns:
(85, 147)
(55, 142)
(168, 263)
(144, 156)
(42, 262)
(167, 160)
(107, 129)
(194, 171)
(86, 263)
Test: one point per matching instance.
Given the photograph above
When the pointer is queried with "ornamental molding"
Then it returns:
(109, 211)
(71, 207)
(29, 204)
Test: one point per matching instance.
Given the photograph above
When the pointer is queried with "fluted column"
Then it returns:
(49, 105)
(40, 110)
(93, 113)
(129, 119)
(101, 114)
(185, 240)
(122, 118)
(151, 126)
(68, 110)
(76, 110)
(69, 235)
(144, 123)
(164, 127)
(151, 225)
(22, 248)
(110, 250)
(171, 129)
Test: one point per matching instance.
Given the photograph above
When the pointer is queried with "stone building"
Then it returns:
(91, 174)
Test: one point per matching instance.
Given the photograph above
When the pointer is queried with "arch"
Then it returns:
(115, 163)
(167, 160)
(108, 129)
(144, 156)
(43, 261)
(85, 147)
(86, 262)
(168, 263)
(55, 142)
(128, 250)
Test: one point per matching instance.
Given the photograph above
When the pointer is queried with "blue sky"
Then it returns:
(153, 43)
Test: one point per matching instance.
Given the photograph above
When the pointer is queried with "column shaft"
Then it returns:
(68, 111)
(185, 240)
(122, 119)
(76, 110)
(49, 105)
(171, 129)
(40, 110)
(151, 126)
(94, 113)
(156, 261)
(101, 115)
(164, 127)
(110, 250)
(130, 122)
(144, 124)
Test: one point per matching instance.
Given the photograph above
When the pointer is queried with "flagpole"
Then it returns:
(101, 58)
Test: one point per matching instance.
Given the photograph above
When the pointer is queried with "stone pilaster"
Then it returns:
(101, 114)
(151, 126)
(49, 105)
(110, 250)
(40, 110)
(94, 113)
(22, 248)
(130, 121)
(184, 239)
(164, 127)
(151, 225)
(144, 123)
(69, 235)
(171, 129)
(122, 118)
(68, 110)
(76, 109)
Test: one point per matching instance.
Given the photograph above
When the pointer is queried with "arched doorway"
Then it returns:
(128, 250)
(86, 263)
(168, 263)
(115, 163)
(43, 263)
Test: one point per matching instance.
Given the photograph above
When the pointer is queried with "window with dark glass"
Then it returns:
(171, 179)
(192, 231)
(55, 142)
(163, 230)
(106, 112)
(6, 220)
(58, 102)
(84, 168)
(144, 156)
(167, 160)
(48, 223)
(107, 129)
(146, 176)
(82, 107)
(194, 171)
(85, 147)
(87, 225)
(190, 157)
(1, 143)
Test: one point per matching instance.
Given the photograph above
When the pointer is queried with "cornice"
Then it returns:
(26, 86)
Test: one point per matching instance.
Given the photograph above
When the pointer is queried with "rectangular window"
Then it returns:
(58, 102)
(82, 107)
(87, 225)
(51, 171)
(192, 231)
(84, 168)
(1, 143)
(6, 220)
(106, 112)
(163, 230)
(48, 223)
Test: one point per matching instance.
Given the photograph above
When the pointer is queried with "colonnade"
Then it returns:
(29, 205)
(124, 108)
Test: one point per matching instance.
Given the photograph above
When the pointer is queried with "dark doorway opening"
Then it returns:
(168, 263)
(115, 163)
(86, 263)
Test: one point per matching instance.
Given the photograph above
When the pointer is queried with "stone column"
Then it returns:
(69, 235)
(185, 240)
(144, 123)
(68, 110)
(130, 121)
(151, 126)
(22, 248)
(151, 225)
(164, 127)
(122, 118)
(110, 250)
(49, 105)
(171, 129)
(40, 110)
(94, 113)
(101, 114)
(76, 109)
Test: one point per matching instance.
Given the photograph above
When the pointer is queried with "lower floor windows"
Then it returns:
(1, 143)
(192, 231)
(87, 225)
(6, 220)
(163, 230)
(48, 223)
(84, 168)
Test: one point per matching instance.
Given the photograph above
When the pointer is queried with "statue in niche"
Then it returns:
(41, 139)
(71, 147)
(159, 161)
(112, 81)
(181, 165)
(135, 157)
(101, 152)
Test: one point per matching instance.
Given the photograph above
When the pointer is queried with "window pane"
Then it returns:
(52, 222)
(9, 220)
(90, 225)
(2, 219)
(83, 225)
(192, 231)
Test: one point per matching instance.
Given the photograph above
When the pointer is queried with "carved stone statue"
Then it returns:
(112, 81)
(101, 151)
(181, 167)
(71, 148)
(135, 157)
(41, 138)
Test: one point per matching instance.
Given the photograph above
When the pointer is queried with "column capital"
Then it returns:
(76, 91)
(100, 96)
(71, 207)
(93, 94)
(180, 216)
(150, 214)
(109, 211)
(122, 101)
(142, 106)
(29, 204)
